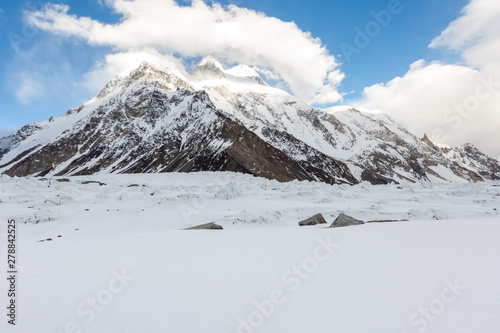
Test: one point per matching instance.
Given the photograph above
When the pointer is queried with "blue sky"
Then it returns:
(46, 70)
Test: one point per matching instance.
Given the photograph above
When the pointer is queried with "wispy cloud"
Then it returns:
(28, 88)
(6, 132)
(232, 34)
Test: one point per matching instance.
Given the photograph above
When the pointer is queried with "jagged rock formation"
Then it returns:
(159, 120)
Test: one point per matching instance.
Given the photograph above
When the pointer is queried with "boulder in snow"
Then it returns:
(313, 220)
(93, 182)
(208, 226)
(344, 220)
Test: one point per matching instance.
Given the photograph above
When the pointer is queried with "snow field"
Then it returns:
(123, 264)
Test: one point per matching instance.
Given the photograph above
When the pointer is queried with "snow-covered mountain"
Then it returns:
(159, 120)
(470, 157)
(153, 120)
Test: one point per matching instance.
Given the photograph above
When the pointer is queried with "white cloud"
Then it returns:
(6, 131)
(28, 88)
(234, 35)
(453, 104)
(329, 91)
(476, 34)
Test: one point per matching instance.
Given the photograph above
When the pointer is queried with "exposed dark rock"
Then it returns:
(382, 221)
(313, 220)
(344, 220)
(376, 179)
(208, 226)
(93, 182)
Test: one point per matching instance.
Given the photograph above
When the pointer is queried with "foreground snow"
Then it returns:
(122, 248)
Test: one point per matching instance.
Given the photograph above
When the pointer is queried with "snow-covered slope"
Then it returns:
(159, 120)
(76, 237)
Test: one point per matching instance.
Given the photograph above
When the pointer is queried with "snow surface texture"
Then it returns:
(121, 244)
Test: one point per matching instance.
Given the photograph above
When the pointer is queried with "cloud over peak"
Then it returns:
(233, 34)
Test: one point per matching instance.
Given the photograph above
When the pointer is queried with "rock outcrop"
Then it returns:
(208, 226)
(313, 220)
(344, 220)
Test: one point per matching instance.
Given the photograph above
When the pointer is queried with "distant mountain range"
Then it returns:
(156, 119)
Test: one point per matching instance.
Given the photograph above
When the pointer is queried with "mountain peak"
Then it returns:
(144, 65)
(429, 142)
(146, 71)
(469, 147)
(244, 71)
(209, 68)
(210, 61)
